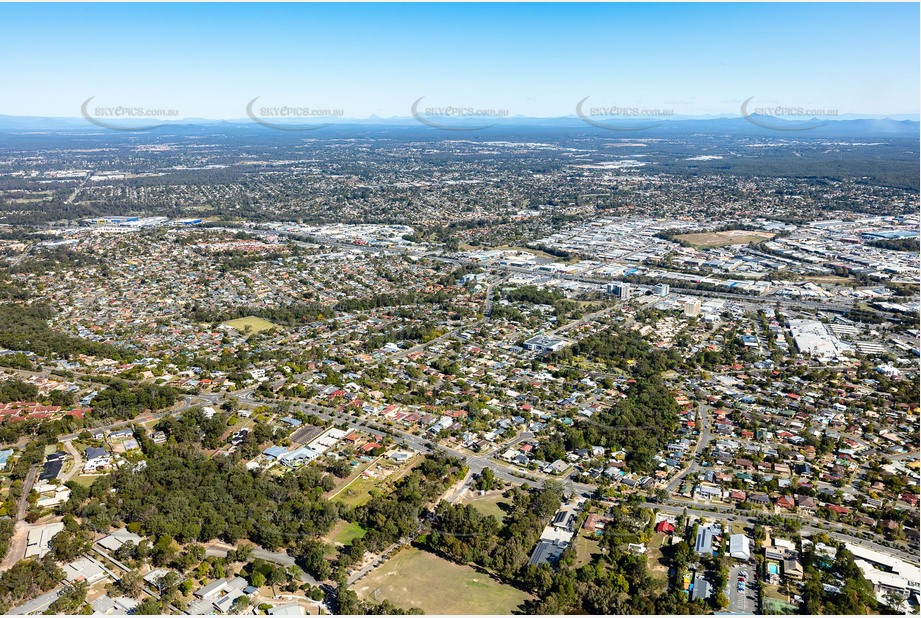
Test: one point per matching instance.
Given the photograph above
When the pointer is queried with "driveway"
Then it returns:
(78, 461)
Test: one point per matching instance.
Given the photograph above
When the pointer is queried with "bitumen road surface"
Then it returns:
(744, 601)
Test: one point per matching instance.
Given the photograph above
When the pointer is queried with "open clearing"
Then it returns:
(723, 239)
(357, 492)
(585, 546)
(833, 279)
(345, 532)
(86, 479)
(654, 554)
(415, 578)
(255, 324)
(356, 472)
(487, 504)
(380, 475)
(535, 252)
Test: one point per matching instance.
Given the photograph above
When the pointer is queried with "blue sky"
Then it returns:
(209, 60)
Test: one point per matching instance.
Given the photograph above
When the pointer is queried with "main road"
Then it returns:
(701, 510)
(475, 463)
(702, 441)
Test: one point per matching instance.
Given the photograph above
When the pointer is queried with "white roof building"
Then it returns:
(38, 542)
(114, 541)
(84, 569)
(739, 547)
(288, 609)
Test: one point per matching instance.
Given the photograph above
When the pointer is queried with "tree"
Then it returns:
(72, 598)
(486, 481)
(130, 584)
(340, 468)
(70, 543)
(167, 583)
(277, 576)
(240, 604)
(243, 553)
(163, 550)
(186, 587)
(125, 553)
(348, 603)
(149, 607)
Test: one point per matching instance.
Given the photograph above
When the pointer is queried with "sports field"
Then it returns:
(255, 324)
(415, 578)
(723, 239)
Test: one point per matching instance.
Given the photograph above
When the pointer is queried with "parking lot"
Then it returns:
(743, 602)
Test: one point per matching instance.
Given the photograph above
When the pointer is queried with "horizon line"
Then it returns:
(897, 116)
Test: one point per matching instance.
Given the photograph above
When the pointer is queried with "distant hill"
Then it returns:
(753, 125)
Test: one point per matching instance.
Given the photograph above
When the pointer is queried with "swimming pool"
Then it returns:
(773, 569)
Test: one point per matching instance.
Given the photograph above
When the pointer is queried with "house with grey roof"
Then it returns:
(702, 589)
(116, 539)
(96, 458)
(703, 544)
(547, 552)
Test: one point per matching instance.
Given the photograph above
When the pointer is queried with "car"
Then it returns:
(741, 587)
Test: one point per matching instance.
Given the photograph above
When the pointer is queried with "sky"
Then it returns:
(540, 60)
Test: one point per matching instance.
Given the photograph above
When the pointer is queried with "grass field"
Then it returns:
(538, 253)
(339, 483)
(356, 489)
(255, 324)
(414, 578)
(722, 239)
(345, 532)
(654, 553)
(535, 252)
(488, 504)
(357, 492)
(585, 547)
(85, 480)
(833, 279)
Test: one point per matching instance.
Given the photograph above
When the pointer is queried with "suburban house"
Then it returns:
(96, 458)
